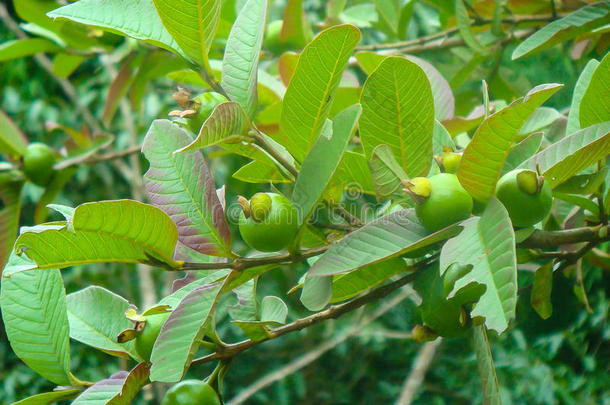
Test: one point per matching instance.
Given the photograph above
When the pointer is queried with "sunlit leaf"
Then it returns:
(595, 104)
(584, 79)
(20, 48)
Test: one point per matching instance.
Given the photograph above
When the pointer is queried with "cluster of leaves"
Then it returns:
(338, 118)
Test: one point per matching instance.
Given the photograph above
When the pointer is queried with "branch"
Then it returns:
(332, 312)
(418, 372)
(114, 155)
(549, 239)
(312, 356)
(47, 65)
(448, 32)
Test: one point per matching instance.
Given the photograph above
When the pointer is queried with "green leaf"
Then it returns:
(485, 364)
(463, 23)
(310, 93)
(34, 314)
(361, 15)
(540, 297)
(522, 151)
(260, 172)
(354, 173)
(572, 154)
(80, 154)
(51, 191)
(96, 317)
(316, 292)
(348, 285)
(444, 101)
(10, 196)
(192, 23)
(295, 28)
(121, 231)
(488, 244)
(119, 389)
(390, 11)
(398, 110)
(227, 122)
(322, 161)
(540, 119)
(389, 236)
(174, 298)
(180, 335)
(20, 48)
(140, 20)
(64, 64)
(273, 312)
(182, 185)
(440, 139)
(594, 106)
(582, 21)
(484, 156)
(47, 398)
(12, 140)
(584, 79)
(387, 173)
(584, 184)
(240, 62)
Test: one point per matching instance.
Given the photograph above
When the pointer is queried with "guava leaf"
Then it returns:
(540, 297)
(174, 298)
(181, 333)
(295, 30)
(387, 173)
(388, 236)
(10, 207)
(192, 24)
(240, 62)
(522, 151)
(316, 292)
(398, 110)
(12, 140)
(572, 154)
(120, 388)
(463, 22)
(273, 312)
(20, 48)
(484, 156)
(540, 119)
(322, 161)
(34, 314)
(140, 20)
(309, 96)
(96, 318)
(227, 121)
(579, 22)
(51, 191)
(595, 104)
(488, 244)
(122, 231)
(260, 172)
(47, 398)
(246, 307)
(354, 173)
(582, 83)
(181, 184)
(485, 364)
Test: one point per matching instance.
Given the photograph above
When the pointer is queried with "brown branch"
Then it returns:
(47, 65)
(333, 312)
(450, 31)
(549, 239)
(113, 155)
(418, 372)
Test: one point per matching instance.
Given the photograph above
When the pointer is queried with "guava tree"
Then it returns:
(367, 176)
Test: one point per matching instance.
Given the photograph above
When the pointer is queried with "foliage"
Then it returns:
(136, 201)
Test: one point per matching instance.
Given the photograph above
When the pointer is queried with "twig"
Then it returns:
(333, 312)
(47, 65)
(550, 239)
(113, 155)
(418, 372)
(312, 356)
(450, 31)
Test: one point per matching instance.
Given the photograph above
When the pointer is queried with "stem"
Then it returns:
(114, 155)
(550, 239)
(333, 312)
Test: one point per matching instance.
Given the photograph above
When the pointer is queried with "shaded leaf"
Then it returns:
(182, 185)
(488, 244)
(397, 110)
(354, 173)
(119, 389)
(387, 173)
(484, 156)
(540, 297)
(582, 83)
(10, 208)
(521, 152)
(20, 48)
(463, 22)
(310, 93)
(12, 140)
(64, 64)
(485, 364)
(579, 22)
(47, 398)
(316, 292)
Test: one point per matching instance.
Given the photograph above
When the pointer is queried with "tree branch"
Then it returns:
(549, 239)
(418, 372)
(114, 155)
(333, 312)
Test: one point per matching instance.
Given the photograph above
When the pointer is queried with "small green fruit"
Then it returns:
(145, 340)
(448, 202)
(38, 161)
(273, 226)
(204, 104)
(272, 40)
(526, 196)
(191, 392)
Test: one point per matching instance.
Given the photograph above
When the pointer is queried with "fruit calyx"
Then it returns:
(530, 182)
(422, 333)
(418, 188)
